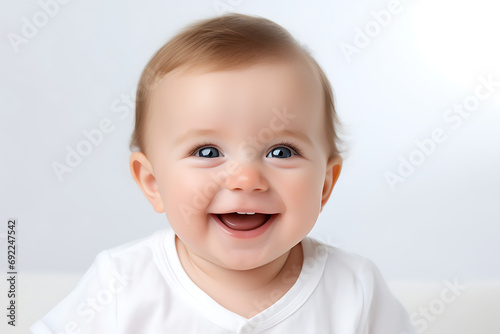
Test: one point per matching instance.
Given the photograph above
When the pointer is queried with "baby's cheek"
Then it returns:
(305, 193)
(304, 186)
(191, 193)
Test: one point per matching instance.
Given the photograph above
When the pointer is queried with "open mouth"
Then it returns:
(243, 221)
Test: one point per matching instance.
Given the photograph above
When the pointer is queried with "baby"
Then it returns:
(236, 141)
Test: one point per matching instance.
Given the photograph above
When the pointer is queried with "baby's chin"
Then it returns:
(250, 262)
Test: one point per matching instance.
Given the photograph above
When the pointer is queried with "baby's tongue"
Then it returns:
(245, 222)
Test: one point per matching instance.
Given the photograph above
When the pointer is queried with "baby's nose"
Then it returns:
(247, 177)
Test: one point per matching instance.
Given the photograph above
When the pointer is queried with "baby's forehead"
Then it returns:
(251, 91)
(285, 75)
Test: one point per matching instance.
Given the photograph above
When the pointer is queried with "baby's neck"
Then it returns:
(245, 292)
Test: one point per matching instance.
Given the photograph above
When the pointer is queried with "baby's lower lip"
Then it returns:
(245, 234)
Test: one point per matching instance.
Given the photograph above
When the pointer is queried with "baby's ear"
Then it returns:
(142, 172)
(333, 168)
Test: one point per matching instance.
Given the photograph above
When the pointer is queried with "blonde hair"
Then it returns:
(227, 42)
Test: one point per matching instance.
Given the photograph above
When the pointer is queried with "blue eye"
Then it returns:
(208, 152)
(280, 152)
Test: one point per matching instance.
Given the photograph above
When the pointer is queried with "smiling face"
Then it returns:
(250, 140)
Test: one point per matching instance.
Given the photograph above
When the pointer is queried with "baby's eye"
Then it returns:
(208, 152)
(280, 152)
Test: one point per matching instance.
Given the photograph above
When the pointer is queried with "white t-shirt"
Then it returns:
(141, 287)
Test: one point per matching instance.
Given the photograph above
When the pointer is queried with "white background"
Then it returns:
(441, 223)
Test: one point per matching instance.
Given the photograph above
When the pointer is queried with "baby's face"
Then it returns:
(249, 140)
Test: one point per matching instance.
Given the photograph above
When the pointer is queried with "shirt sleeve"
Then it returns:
(382, 312)
(90, 307)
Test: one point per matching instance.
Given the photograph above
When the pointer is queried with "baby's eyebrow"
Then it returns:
(194, 133)
(207, 132)
(296, 134)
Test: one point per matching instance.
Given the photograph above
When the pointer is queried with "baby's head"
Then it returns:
(233, 115)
